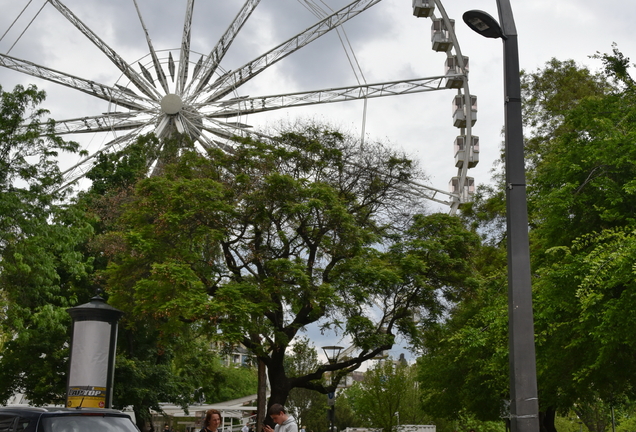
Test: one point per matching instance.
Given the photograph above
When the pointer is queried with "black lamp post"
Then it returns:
(524, 404)
(332, 353)
(92, 361)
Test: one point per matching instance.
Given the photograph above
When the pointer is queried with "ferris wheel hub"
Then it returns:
(171, 104)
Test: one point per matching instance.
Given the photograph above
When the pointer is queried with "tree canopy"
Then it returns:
(40, 266)
(257, 244)
(48, 258)
(582, 215)
(580, 132)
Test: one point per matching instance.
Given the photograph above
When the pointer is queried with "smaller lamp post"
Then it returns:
(332, 353)
(92, 360)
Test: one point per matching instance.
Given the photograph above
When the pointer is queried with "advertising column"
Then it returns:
(92, 362)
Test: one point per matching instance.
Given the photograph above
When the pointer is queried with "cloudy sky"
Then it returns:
(389, 43)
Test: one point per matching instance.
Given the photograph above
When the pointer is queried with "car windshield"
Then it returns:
(87, 423)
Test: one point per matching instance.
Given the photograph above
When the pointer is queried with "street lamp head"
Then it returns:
(332, 353)
(484, 24)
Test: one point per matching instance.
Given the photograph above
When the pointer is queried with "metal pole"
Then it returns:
(333, 416)
(524, 404)
(261, 396)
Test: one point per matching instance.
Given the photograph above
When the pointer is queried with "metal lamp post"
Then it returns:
(92, 361)
(332, 353)
(524, 404)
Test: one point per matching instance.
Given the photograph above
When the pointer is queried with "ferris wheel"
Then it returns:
(168, 90)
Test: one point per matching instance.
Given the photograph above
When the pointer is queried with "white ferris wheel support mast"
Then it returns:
(100, 123)
(250, 105)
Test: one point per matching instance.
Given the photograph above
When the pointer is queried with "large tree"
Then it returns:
(583, 195)
(579, 129)
(182, 366)
(257, 244)
(49, 258)
(40, 266)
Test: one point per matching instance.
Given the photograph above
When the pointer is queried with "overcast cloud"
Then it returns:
(389, 43)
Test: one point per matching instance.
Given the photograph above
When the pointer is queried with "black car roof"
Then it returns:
(37, 411)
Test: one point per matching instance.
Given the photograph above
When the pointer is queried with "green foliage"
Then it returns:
(589, 326)
(183, 371)
(580, 171)
(617, 67)
(49, 256)
(42, 269)
(569, 424)
(578, 151)
(42, 275)
(233, 383)
(308, 407)
(548, 94)
(28, 150)
(387, 388)
(122, 169)
(584, 180)
(582, 211)
(253, 245)
(465, 367)
(463, 370)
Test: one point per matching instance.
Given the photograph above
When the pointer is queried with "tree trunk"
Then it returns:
(546, 420)
(261, 412)
(279, 384)
(141, 419)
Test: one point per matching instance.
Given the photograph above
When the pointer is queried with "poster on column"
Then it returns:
(86, 396)
(87, 384)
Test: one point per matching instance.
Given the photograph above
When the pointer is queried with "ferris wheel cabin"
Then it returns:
(423, 8)
(472, 148)
(460, 111)
(454, 72)
(466, 192)
(441, 35)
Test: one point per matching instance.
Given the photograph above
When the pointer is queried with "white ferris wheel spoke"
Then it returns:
(153, 54)
(249, 105)
(117, 60)
(226, 84)
(102, 123)
(227, 130)
(213, 59)
(124, 98)
(185, 49)
(80, 169)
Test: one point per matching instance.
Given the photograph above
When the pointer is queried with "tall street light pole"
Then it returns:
(524, 403)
